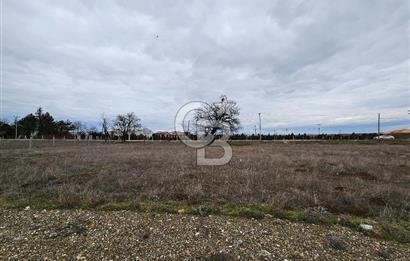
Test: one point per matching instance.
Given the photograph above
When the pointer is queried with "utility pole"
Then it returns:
(188, 126)
(318, 129)
(378, 125)
(260, 127)
(196, 128)
(15, 124)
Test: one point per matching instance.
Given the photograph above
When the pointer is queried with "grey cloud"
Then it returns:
(298, 62)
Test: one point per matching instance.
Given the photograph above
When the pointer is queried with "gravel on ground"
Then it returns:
(126, 235)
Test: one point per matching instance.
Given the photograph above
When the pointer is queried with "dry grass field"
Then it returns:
(368, 180)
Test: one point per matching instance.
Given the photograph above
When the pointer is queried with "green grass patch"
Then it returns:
(398, 230)
(19, 203)
(114, 206)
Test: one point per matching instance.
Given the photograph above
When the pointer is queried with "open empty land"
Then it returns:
(357, 179)
(321, 183)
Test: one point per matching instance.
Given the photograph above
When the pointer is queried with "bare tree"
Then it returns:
(78, 127)
(220, 117)
(125, 124)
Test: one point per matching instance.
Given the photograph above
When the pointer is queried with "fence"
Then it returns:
(43, 143)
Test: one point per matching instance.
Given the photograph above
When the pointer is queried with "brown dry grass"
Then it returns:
(358, 179)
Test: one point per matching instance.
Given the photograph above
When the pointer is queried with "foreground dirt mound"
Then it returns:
(91, 235)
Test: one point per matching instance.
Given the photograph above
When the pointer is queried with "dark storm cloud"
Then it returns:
(297, 62)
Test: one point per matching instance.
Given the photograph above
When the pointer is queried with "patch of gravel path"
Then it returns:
(126, 235)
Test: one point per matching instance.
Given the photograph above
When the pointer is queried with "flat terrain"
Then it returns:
(357, 179)
(125, 235)
(169, 208)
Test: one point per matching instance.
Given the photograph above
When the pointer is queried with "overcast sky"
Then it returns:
(299, 63)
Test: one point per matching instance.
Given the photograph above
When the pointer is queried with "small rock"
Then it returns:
(279, 221)
(53, 235)
(366, 227)
(80, 257)
(264, 253)
(237, 243)
(335, 243)
(384, 253)
(27, 208)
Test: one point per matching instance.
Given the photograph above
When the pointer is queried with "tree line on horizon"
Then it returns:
(216, 118)
(43, 125)
(213, 118)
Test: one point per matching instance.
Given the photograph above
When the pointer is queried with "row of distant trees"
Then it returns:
(37, 124)
(266, 137)
(218, 118)
(304, 136)
(215, 118)
(43, 125)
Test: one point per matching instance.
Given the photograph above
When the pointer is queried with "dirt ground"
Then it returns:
(354, 178)
(126, 235)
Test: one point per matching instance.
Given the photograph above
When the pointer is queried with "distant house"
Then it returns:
(144, 132)
(166, 135)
